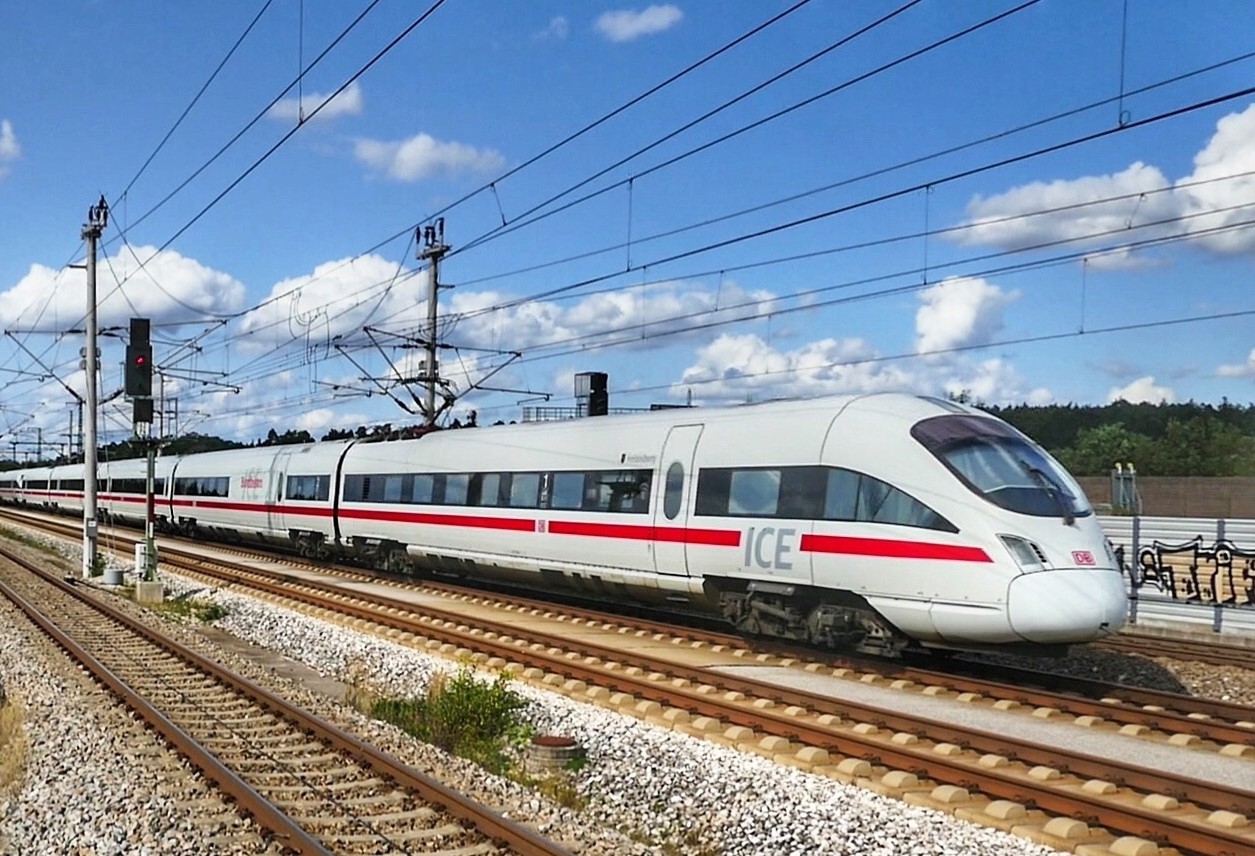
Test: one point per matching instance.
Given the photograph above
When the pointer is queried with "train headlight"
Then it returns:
(1026, 554)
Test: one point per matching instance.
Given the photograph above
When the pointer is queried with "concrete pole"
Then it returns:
(432, 252)
(97, 219)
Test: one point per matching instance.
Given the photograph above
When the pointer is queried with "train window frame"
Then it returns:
(566, 492)
(808, 492)
(673, 490)
(393, 488)
(1051, 491)
(457, 489)
(754, 493)
(214, 487)
(423, 489)
(307, 488)
(524, 490)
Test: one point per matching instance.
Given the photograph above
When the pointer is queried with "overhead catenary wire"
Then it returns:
(864, 176)
(381, 294)
(539, 216)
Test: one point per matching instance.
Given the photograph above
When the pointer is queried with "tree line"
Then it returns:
(1188, 439)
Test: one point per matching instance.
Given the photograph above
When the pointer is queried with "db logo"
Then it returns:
(1083, 557)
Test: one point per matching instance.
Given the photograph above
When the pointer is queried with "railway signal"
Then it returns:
(138, 381)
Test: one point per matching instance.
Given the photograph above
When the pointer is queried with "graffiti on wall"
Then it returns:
(1217, 573)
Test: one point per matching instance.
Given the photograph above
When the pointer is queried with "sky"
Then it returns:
(711, 202)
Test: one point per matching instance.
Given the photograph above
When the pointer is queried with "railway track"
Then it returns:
(1155, 645)
(1219, 722)
(931, 762)
(317, 789)
(906, 755)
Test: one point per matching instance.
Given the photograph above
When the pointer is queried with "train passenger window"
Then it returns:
(392, 488)
(712, 492)
(673, 491)
(309, 488)
(489, 488)
(525, 490)
(802, 492)
(841, 501)
(355, 488)
(754, 493)
(872, 494)
(568, 490)
(423, 490)
(629, 491)
(456, 488)
(136, 486)
(859, 497)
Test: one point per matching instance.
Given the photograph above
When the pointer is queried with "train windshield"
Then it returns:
(1001, 465)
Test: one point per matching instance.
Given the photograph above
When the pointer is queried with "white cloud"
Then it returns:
(1151, 198)
(169, 288)
(636, 318)
(624, 25)
(1236, 370)
(959, 312)
(346, 103)
(995, 220)
(423, 155)
(741, 367)
(318, 420)
(556, 30)
(1231, 150)
(10, 150)
(991, 381)
(1142, 390)
(338, 298)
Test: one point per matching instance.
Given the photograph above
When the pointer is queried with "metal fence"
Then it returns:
(1199, 562)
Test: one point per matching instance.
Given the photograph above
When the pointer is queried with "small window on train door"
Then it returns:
(673, 490)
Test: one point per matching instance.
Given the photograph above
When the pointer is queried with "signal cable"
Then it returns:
(195, 98)
(498, 232)
(884, 197)
(867, 175)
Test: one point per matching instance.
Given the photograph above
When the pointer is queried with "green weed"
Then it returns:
(475, 720)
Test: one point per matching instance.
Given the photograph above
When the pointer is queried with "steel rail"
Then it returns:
(518, 838)
(1213, 653)
(1184, 834)
(286, 830)
(968, 676)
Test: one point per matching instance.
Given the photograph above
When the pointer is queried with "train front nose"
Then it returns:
(1067, 605)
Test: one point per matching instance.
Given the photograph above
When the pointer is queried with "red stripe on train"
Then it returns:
(891, 549)
(250, 507)
(707, 537)
(512, 524)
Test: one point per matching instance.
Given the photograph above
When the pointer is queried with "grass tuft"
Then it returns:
(23, 538)
(479, 721)
(190, 609)
(13, 745)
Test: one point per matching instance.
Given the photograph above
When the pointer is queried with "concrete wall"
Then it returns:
(1163, 496)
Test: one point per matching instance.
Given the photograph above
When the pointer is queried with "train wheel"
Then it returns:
(397, 561)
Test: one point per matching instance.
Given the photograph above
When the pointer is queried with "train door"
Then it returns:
(275, 494)
(671, 515)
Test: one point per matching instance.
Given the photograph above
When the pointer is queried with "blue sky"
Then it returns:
(855, 197)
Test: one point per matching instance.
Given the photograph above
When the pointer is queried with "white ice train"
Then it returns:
(874, 520)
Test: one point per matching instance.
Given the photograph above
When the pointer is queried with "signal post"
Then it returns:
(138, 384)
